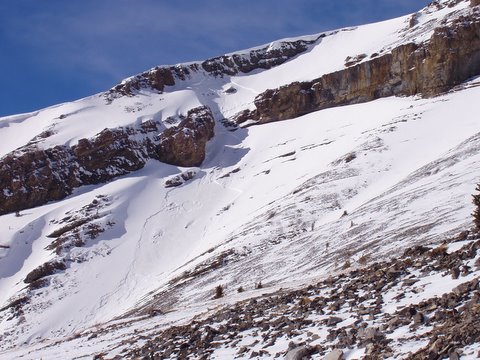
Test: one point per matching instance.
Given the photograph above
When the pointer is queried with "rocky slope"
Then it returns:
(264, 58)
(385, 310)
(31, 176)
(390, 309)
(136, 204)
(450, 57)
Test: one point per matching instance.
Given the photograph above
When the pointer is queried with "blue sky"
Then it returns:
(53, 51)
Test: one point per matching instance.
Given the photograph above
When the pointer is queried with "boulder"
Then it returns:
(334, 355)
(298, 353)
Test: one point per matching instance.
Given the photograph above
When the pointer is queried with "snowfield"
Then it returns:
(285, 203)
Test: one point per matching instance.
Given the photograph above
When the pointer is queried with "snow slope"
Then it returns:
(268, 200)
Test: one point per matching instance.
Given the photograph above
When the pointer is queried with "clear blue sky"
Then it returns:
(53, 51)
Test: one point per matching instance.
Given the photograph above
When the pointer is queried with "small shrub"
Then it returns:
(350, 157)
(218, 292)
(439, 251)
(363, 259)
(476, 212)
(259, 285)
(240, 289)
(94, 230)
(346, 265)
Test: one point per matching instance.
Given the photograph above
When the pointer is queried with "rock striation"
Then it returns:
(264, 57)
(31, 176)
(450, 57)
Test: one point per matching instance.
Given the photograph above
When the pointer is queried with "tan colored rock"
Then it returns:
(451, 56)
(298, 353)
(334, 355)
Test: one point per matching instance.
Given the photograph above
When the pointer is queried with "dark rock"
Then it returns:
(44, 270)
(184, 145)
(264, 58)
(418, 318)
(31, 177)
(455, 272)
(159, 77)
(464, 234)
(333, 320)
(454, 355)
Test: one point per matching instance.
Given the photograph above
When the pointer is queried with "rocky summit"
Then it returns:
(310, 198)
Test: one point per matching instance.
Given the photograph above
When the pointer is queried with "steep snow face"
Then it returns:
(226, 95)
(403, 169)
(266, 205)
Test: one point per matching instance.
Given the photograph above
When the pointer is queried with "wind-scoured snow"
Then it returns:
(288, 201)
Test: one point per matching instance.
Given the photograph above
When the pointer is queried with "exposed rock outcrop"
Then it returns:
(451, 56)
(184, 145)
(31, 176)
(44, 270)
(261, 58)
(438, 326)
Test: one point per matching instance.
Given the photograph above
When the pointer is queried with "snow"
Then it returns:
(288, 183)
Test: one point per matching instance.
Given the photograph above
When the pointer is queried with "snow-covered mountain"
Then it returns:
(282, 165)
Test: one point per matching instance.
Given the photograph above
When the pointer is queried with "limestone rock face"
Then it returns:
(156, 79)
(261, 58)
(113, 151)
(451, 56)
(31, 176)
(264, 58)
(184, 145)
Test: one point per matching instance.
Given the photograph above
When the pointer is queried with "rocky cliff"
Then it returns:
(264, 57)
(31, 176)
(449, 57)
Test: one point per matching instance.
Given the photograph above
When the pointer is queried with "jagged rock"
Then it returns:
(334, 355)
(455, 272)
(263, 58)
(44, 270)
(184, 145)
(298, 353)
(474, 3)
(451, 56)
(156, 78)
(454, 355)
(418, 318)
(31, 177)
(371, 333)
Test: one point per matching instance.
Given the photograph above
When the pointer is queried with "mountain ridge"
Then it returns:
(160, 193)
